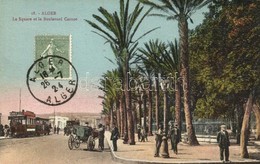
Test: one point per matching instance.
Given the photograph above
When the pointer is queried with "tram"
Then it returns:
(25, 123)
(42, 126)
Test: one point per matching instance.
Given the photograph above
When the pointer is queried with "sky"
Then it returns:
(88, 51)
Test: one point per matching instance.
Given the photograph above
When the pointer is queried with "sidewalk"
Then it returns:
(143, 152)
(2, 137)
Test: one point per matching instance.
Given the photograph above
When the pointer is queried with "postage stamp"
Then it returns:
(49, 46)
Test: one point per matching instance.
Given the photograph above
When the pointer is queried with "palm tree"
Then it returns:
(119, 30)
(135, 91)
(181, 10)
(146, 83)
(112, 93)
(150, 55)
(170, 62)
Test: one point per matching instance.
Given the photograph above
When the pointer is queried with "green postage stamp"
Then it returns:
(49, 46)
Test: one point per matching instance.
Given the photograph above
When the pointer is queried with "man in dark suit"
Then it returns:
(114, 136)
(174, 134)
(101, 136)
(223, 142)
(158, 138)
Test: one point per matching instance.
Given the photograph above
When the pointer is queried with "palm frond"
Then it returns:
(146, 34)
(138, 24)
(101, 30)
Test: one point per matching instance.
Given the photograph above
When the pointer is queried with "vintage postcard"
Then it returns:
(129, 81)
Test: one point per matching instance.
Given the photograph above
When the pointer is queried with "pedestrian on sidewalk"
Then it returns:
(101, 136)
(6, 131)
(223, 142)
(125, 138)
(1, 130)
(139, 132)
(158, 138)
(146, 133)
(143, 134)
(114, 136)
(65, 130)
(173, 134)
(58, 130)
(54, 129)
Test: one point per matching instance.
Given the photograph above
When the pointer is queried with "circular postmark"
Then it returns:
(52, 80)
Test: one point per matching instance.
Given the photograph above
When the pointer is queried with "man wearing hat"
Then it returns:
(158, 139)
(89, 129)
(173, 134)
(114, 136)
(223, 142)
(101, 136)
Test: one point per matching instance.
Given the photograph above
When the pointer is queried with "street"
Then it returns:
(49, 149)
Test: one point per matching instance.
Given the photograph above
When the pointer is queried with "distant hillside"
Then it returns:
(72, 116)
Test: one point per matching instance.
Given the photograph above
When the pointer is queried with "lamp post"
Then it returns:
(164, 86)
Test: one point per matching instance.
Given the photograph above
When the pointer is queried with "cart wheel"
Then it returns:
(90, 143)
(70, 142)
(76, 142)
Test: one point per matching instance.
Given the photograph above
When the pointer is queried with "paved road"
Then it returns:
(49, 149)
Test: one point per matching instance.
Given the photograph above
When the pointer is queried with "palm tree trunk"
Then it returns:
(111, 114)
(157, 102)
(150, 108)
(184, 55)
(125, 115)
(165, 115)
(245, 128)
(178, 103)
(144, 106)
(122, 116)
(140, 107)
(130, 124)
(135, 120)
(118, 116)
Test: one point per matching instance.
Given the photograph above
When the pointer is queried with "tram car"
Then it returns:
(25, 123)
(42, 126)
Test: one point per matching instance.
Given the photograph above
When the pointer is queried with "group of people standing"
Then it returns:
(100, 133)
(142, 133)
(173, 135)
(101, 136)
(56, 130)
(5, 130)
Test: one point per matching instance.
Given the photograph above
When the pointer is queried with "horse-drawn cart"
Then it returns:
(82, 134)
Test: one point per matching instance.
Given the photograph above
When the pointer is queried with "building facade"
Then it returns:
(59, 121)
